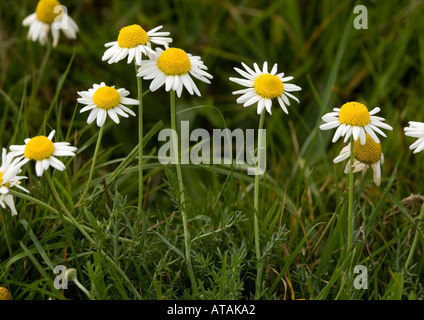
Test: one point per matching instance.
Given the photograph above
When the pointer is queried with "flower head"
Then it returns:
(49, 14)
(416, 130)
(44, 151)
(173, 68)
(9, 170)
(365, 155)
(133, 41)
(103, 100)
(354, 119)
(263, 86)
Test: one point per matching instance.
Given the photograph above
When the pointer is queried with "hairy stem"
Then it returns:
(187, 240)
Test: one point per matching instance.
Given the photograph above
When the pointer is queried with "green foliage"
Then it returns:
(120, 254)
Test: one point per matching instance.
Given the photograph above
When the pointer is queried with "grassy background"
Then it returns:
(303, 194)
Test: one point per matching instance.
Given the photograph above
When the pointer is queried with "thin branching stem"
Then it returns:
(187, 241)
(140, 142)
(93, 165)
(350, 203)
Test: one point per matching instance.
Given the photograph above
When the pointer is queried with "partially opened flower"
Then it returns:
(365, 156)
(103, 100)
(49, 14)
(9, 170)
(174, 68)
(263, 86)
(354, 119)
(416, 130)
(43, 151)
(133, 41)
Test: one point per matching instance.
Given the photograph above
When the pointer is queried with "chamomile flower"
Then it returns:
(263, 86)
(416, 130)
(103, 100)
(44, 151)
(173, 68)
(365, 156)
(133, 41)
(354, 119)
(49, 14)
(9, 170)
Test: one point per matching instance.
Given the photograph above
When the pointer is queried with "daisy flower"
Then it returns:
(133, 41)
(10, 167)
(49, 14)
(103, 100)
(365, 155)
(263, 86)
(416, 130)
(173, 68)
(44, 152)
(353, 119)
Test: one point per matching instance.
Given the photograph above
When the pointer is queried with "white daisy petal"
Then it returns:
(39, 168)
(101, 117)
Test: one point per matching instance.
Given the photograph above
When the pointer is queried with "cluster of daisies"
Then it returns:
(175, 69)
(354, 120)
(169, 67)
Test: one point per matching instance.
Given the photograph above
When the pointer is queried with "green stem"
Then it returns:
(64, 209)
(351, 186)
(415, 242)
(140, 143)
(79, 285)
(93, 165)
(187, 241)
(256, 213)
(54, 191)
(3, 218)
(46, 58)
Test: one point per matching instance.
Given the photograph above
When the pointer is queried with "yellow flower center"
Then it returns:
(132, 36)
(39, 148)
(7, 184)
(369, 153)
(45, 11)
(354, 114)
(1, 179)
(174, 62)
(106, 98)
(269, 86)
